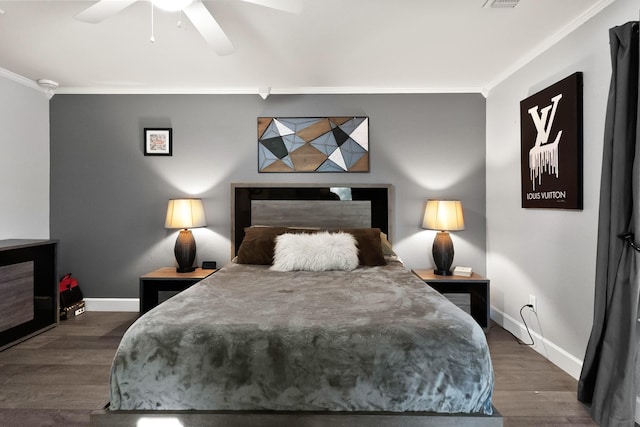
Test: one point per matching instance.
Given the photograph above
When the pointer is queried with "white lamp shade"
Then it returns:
(443, 215)
(185, 213)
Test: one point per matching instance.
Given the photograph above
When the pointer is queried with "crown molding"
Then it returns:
(370, 90)
(547, 44)
(258, 91)
(18, 78)
(9, 75)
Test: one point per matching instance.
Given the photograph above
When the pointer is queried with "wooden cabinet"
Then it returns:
(476, 286)
(28, 289)
(166, 281)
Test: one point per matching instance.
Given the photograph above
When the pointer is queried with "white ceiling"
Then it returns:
(337, 46)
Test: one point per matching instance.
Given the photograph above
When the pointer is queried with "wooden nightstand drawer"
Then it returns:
(163, 283)
(474, 289)
(461, 300)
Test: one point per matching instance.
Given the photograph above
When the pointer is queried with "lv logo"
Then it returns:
(543, 157)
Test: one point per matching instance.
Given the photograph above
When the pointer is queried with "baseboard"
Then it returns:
(112, 304)
(551, 351)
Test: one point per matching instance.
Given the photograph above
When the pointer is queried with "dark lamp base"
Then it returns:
(185, 251)
(442, 253)
(443, 272)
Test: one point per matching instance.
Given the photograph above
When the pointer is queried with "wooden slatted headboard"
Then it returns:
(310, 205)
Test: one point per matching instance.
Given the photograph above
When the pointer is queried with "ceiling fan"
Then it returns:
(195, 10)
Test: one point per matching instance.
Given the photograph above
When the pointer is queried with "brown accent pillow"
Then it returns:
(387, 248)
(259, 242)
(369, 245)
(258, 245)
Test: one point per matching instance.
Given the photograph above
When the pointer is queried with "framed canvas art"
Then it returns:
(157, 142)
(313, 144)
(551, 146)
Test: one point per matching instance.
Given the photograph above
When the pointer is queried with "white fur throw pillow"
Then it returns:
(315, 252)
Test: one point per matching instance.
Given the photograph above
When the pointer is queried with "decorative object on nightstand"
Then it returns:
(208, 265)
(185, 214)
(443, 216)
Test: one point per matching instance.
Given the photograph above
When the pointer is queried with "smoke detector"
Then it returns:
(501, 3)
(48, 84)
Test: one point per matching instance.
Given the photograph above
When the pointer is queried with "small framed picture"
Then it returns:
(157, 141)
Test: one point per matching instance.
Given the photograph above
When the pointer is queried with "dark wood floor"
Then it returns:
(529, 390)
(57, 378)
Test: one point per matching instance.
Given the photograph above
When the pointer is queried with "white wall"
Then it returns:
(24, 160)
(549, 253)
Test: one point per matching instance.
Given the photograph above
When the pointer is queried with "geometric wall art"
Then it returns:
(551, 146)
(313, 144)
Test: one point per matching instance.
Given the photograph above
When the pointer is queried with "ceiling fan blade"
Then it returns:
(290, 6)
(102, 10)
(209, 28)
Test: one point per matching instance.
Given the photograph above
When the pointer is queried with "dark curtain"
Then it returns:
(607, 382)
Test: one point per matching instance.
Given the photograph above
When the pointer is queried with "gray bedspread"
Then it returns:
(247, 338)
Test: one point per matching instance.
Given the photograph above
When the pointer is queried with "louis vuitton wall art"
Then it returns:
(551, 146)
(313, 144)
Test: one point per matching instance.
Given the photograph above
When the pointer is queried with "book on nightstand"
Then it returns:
(462, 271)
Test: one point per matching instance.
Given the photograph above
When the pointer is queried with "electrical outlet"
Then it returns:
(534, 302)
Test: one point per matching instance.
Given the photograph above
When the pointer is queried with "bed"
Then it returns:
(367, 344)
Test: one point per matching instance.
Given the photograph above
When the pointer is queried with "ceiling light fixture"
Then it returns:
(171, 5)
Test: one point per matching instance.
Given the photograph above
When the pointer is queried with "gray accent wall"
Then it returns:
(108, 200)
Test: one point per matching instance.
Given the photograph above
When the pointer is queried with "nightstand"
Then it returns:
(166, 280)
(476, 286)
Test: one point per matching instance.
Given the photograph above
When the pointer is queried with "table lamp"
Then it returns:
(185, 214)
(443, 216)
